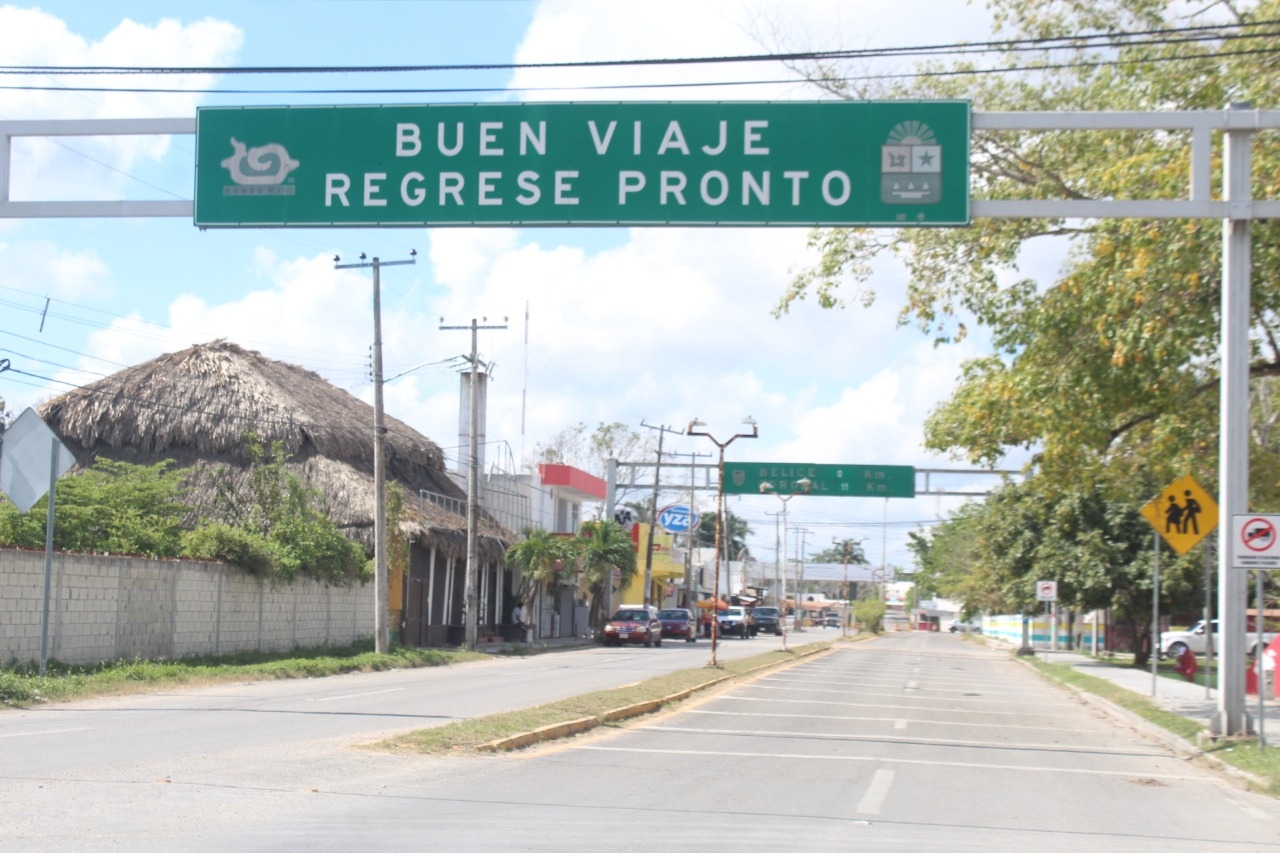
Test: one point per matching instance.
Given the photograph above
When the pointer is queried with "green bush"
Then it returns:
(870, 614)
(223, 543)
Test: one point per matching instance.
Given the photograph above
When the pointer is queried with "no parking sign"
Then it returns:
(1255, 541)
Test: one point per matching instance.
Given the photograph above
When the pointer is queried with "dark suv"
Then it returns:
(768, 620)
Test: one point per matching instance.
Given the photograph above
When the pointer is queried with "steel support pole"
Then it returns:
(1231, 718)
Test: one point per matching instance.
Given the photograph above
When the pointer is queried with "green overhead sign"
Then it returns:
(892, 163)
(849, 481)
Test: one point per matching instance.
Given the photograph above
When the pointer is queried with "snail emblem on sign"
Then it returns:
(259, 171)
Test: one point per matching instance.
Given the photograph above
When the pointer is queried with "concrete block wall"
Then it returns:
(105, 608)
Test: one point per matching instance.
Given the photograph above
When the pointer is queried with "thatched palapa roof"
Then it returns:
(196, 406)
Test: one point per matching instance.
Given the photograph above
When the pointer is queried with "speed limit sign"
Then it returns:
(1046, 590)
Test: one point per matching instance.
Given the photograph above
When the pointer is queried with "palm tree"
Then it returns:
(604, 547)
(539, 557)
(735, 533)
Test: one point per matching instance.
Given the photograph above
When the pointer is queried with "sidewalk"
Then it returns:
(1176, 696)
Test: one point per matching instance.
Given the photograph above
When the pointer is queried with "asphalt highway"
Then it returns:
(907, 742)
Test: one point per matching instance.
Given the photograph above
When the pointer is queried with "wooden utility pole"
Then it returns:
(381, 628)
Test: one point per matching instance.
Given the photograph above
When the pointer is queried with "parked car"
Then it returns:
(964, 626)
(768, 620)
(634, 623)
(832, 620)
(736, 621)
(677, 623)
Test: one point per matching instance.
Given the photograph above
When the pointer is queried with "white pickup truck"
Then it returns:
(1172, 643)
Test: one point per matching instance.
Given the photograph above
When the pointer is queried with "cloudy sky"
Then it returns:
(659, 325)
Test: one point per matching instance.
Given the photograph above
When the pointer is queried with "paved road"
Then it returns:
(908, 742)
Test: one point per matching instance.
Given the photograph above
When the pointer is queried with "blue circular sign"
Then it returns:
(675, 519)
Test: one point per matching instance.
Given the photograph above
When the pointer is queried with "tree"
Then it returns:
(1109, 369)
(856, 555)
(540, 557)
(602, 548)
(733, 536)
(1098, 548)
(592, 452)
(114, 507)
(270, 522)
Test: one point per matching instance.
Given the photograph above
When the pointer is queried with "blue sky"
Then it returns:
(659, 325)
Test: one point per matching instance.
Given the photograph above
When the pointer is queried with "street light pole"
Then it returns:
(768, 489)
(715, 589)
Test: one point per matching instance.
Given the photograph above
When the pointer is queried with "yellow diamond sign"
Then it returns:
(1183, 514)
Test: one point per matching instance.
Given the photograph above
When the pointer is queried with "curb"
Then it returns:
(638, 709)
(1178, 744)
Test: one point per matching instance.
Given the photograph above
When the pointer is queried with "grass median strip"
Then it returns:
(577, 713)
(22, 686)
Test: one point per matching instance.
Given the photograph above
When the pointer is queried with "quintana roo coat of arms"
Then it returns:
(911, 165)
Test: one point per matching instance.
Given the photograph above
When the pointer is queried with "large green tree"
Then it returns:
(1110, 367)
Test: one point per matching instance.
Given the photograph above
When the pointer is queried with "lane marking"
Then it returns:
(887, 705)
(983, 699)
(876, 792)
(48, 732)
(798, 756)
(899, 724)
(895, 720)
(923, 741)
(922, 698)
(358, 695)
(913, 685)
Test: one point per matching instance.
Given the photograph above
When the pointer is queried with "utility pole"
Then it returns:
(653, 510)
(804, 536)
(688, 545)
(381, 631)
(471, 590)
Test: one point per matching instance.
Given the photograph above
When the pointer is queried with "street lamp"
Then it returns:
(803, 486)
(715, 595)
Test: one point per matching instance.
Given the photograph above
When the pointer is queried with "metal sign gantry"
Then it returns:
(1237, 209)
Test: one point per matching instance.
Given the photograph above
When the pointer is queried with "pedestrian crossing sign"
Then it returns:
(1183, 514)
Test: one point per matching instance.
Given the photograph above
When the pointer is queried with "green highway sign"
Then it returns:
(850, 481)
(892, 163)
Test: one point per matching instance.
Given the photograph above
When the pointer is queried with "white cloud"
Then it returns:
(42, 267)
(97, 167)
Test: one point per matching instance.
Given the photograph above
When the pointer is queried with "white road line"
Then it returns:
(886, 705)
(980, 744)
(357, 695)
(48, 732)
(913, 685)
(976, 765)
(984, 699)
(899, 724)
(894, 720)
(876, 792)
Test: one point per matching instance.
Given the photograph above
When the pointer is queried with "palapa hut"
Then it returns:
(196, 406)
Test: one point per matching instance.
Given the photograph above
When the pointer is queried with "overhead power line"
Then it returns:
(1174, 35)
